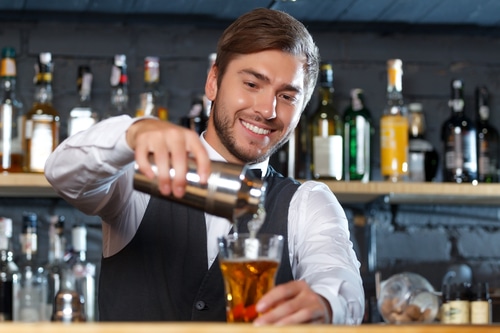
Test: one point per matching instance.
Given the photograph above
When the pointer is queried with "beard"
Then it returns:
(223, 127)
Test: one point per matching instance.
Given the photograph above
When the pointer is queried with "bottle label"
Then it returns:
(361, 136)
(41, 143)
(8, 67)
(394, 145)
(328, 156)
(480, 312)
(6, 137)
(459, 312)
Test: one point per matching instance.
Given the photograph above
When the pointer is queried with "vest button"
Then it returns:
(200, 305)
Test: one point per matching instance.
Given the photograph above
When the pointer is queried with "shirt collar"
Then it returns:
(215, 156)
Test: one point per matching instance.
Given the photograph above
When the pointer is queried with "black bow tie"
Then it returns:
(257, 173)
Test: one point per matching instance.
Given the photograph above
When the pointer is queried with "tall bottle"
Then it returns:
(487, 139)
(423, 159)
(119, 87)
(327, 126)
(11, 115)
(152, 101)
(83, 271)
(41, 127)
(357, 138)
(8, 271)
(82, 116)
(459, 136)
(394, 127)
(32, 294)
(56, 266)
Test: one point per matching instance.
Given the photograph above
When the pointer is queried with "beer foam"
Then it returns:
(252, 248)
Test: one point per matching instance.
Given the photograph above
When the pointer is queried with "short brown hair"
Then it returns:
(266, 29)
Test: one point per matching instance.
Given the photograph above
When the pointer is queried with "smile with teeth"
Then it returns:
(255, 129)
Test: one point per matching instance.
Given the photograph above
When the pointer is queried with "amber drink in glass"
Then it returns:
(249, 266)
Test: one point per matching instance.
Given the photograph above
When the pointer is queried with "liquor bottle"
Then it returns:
(32, 294)
(119, 87)
(82, 116)
(56, 266)
(327, 127)
(83, 270)
(459, 137)
(8, 271)
(394, 127)
(68, 306)
(481, 304)
(357, 138)
(487, 139)
(423, 159)
(11, 115)
(41, 127)
(151, 100)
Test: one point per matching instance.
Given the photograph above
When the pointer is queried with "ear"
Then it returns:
(211, 83)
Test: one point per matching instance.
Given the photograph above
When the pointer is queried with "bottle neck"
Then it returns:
(326, 93)
(43, 92)
(29, 244)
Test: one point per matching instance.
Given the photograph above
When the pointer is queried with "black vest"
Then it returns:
(162, 275)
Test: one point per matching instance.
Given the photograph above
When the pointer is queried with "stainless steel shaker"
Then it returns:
(232, 190)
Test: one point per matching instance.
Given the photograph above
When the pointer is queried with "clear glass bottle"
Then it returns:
(423, 158)
(82, 116)
(357, 138)
(394, 127)
(459, 135)
(83, 270)
(327, 131)
(33, 282)
(11, 115)
(119, 87)
(9, 272)
(487, 139)
(56, 266)
(41, 127)
(151, 100)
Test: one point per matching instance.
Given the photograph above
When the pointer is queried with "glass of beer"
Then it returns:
(249, 266)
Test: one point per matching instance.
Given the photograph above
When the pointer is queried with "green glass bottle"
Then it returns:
(358, 131)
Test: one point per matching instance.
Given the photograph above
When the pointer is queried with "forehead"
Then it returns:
(277, 66)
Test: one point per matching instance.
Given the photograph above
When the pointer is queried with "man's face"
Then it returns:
(257, 105)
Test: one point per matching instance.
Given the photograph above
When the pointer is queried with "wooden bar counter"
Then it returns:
(236, 328)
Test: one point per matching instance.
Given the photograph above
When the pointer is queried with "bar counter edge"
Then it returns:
(125, 327)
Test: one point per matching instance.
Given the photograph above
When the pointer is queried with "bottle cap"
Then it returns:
(8, 52)
(5, 227)
(120, 60)
(29, 221)
(79, 237)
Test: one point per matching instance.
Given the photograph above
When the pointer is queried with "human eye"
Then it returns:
(289, 98)
(250, 84)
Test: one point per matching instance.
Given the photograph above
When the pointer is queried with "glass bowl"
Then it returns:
(407, 298)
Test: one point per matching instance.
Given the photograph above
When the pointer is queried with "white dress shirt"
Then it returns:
(93, 171)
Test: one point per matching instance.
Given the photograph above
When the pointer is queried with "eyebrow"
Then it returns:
(262, 77)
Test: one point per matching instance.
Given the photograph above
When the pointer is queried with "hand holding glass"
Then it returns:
(249, 266)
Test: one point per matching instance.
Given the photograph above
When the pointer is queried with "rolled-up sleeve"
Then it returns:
(322, 253)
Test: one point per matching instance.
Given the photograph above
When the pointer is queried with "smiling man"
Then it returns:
(160, 258)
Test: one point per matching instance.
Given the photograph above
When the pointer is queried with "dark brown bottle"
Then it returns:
(459, 138)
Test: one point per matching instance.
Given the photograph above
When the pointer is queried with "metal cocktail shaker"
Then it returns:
(232, 190)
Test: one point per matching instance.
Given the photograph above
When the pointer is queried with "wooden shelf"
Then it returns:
(35, 185)
(25, 185)
(406, 192)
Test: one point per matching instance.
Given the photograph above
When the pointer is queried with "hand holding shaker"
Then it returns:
(231, 191)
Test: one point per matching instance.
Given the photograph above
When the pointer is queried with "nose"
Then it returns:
(265, 104)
